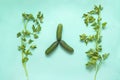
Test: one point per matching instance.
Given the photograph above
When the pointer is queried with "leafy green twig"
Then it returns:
(27, 37)
(94, 19)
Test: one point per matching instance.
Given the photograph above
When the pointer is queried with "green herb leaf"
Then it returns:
(91, 19)
(33, 46)
(24, 60)
(86, 21)
(33, 28)
(30, 41)
(104, 25)
(22, 47)
(35, 36)
(18, 34)
(27, 33)
(99, 48)
(94, 24)
(37, 22)
(105, 56)
(91, 37)
(90, 53)
(83, 37)
(85, 15)
(27, 17)
(96, 28)
(28, 52)
(38, 29)
(23, 39)
(91, 12)
(40, 17)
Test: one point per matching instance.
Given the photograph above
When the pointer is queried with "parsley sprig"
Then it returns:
(93, 19)
(27, 37)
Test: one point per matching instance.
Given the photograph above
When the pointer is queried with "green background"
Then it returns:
(61, 65)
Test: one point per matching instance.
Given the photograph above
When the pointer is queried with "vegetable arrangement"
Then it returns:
(59, 41)
(27, 37)
(93, 18)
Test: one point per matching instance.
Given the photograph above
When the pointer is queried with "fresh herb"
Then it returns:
(59, 41)
(93, 18)
(27, 37)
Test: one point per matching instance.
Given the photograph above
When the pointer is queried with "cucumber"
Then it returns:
(51, 48)
(66, 46)
(59, 32)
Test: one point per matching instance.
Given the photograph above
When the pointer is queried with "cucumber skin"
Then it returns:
(59, 32)
(51, 48)
(66, 46)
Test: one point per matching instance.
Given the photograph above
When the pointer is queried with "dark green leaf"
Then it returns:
(100, 7)
(37, 22)
(22, 47)
(40, 17)
(23, 39)
(91, 64)
(91, 37)
(85, 15)
(99, 19)
(31, 17)
(27, 17)
(18, 34)
(28, 52)
(105, 56)
(35, 36)
(23, 32)
(33, 46)
(91, 12)
(94, 24)
(30, 41)
(33, 28)
(24, 60)
(93, 61)
(104, 25)
(99, 48)
(19, 48)
(91, 19)
(86, 41)
(27, 33)
(90, 53)
(95, 58)
(38, 29)
(83, 37)
(96, 28)
(86, 21)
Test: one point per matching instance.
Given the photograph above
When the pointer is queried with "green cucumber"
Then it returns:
(51, 48)
(59, 32)
(66, 46)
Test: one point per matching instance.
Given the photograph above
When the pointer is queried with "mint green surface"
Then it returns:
(61, 65)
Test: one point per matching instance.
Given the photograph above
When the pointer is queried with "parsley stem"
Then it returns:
(97, 44)
(23, 56)
(24, 66)
(98, 32)
(25, 25)
(25, 69)
(97, 69)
